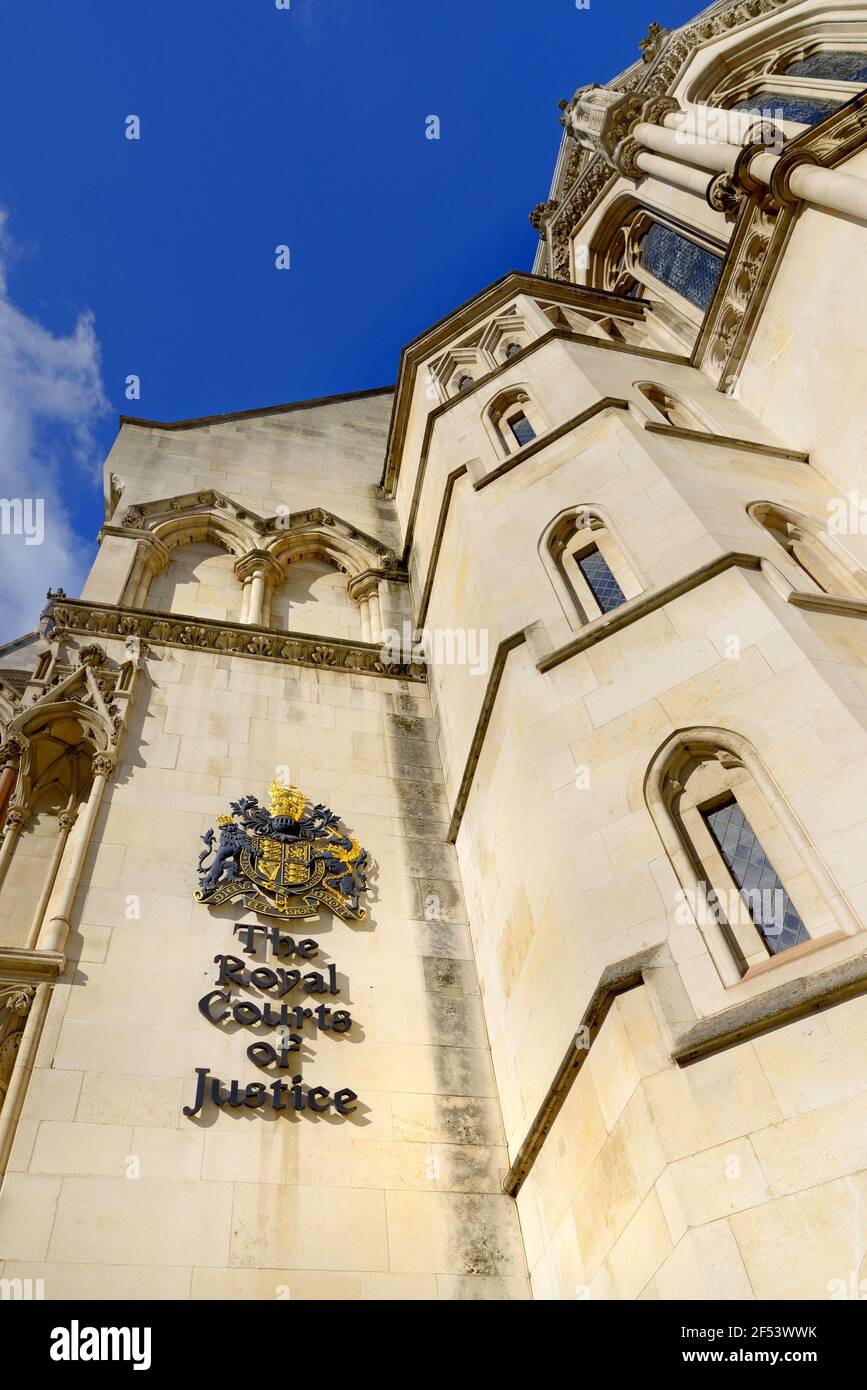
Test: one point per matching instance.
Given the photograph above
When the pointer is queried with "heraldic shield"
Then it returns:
(286, 862)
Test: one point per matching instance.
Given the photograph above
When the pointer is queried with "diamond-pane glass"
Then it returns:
(767, 901)
(841, 66)
(685, 267)
(603, 586)
(522, 429)
(787, 106)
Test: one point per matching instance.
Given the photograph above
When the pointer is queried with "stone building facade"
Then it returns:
(568, 631)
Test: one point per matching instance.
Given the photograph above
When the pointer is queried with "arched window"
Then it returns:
(801, 81)
(649, 257)
(683, 265)
(839, 65)
(809, 546)
(513, 419)
(511, 350)
(751, 881)
(787, 106)
(587, 564)
(464, 383)
(672, 410)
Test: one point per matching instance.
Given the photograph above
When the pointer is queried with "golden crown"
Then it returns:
(225, 820)
(286, 801)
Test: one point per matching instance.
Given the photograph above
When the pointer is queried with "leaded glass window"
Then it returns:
(601, 582)
(760, 886)
(789, 106)
(840, 66)
(522, 429)
(680, 263)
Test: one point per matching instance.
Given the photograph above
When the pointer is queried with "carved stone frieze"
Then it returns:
(162, 629)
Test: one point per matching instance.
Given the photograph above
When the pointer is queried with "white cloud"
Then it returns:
(51, 396)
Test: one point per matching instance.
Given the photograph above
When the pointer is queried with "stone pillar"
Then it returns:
(10, 759)
(25, 1008)
(259, 573)
(791, 177)
(364, 588)
(55, 930)
(65, 822)
(152, 557)
(16, 819)
(638, 161)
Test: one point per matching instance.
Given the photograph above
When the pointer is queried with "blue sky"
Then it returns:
(259, 126)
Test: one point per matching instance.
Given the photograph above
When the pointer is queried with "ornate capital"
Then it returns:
(66, 820)
(12, 750)
(103, 765)
(725, 195)
(625, 158)
(17, 816)
(260, 562)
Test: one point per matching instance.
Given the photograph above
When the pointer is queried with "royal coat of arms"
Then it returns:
(285, 862)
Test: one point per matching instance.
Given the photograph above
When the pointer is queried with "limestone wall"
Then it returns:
(111, 1189)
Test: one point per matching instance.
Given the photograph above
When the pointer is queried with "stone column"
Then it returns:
(55, 930)
(152, 557)
(791, 177)
(10, 758)
(259, 573)
(65, 822)
(16, 819)
(26, 1007)
(364, 588)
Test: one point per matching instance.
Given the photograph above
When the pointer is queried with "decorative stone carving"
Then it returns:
(652, 79)
(164, 629)
(540, 214)
(11, 751)
(651, 44)
(725, 196)
(15, 1004)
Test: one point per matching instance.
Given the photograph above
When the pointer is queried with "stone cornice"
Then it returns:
(232, 639)
(201, 420)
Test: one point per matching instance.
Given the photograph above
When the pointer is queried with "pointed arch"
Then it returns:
(751, 879)
(566, 548)
(811, 547)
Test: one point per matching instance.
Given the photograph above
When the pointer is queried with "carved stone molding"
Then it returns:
(15, 1003)
(725, 195)
(197, 634)
(666, 58)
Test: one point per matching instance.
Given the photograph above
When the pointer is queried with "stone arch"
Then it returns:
(572, 531)
(309, 598)
(698, 770)
(512, 418)
(671, 406)
(810, 546)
